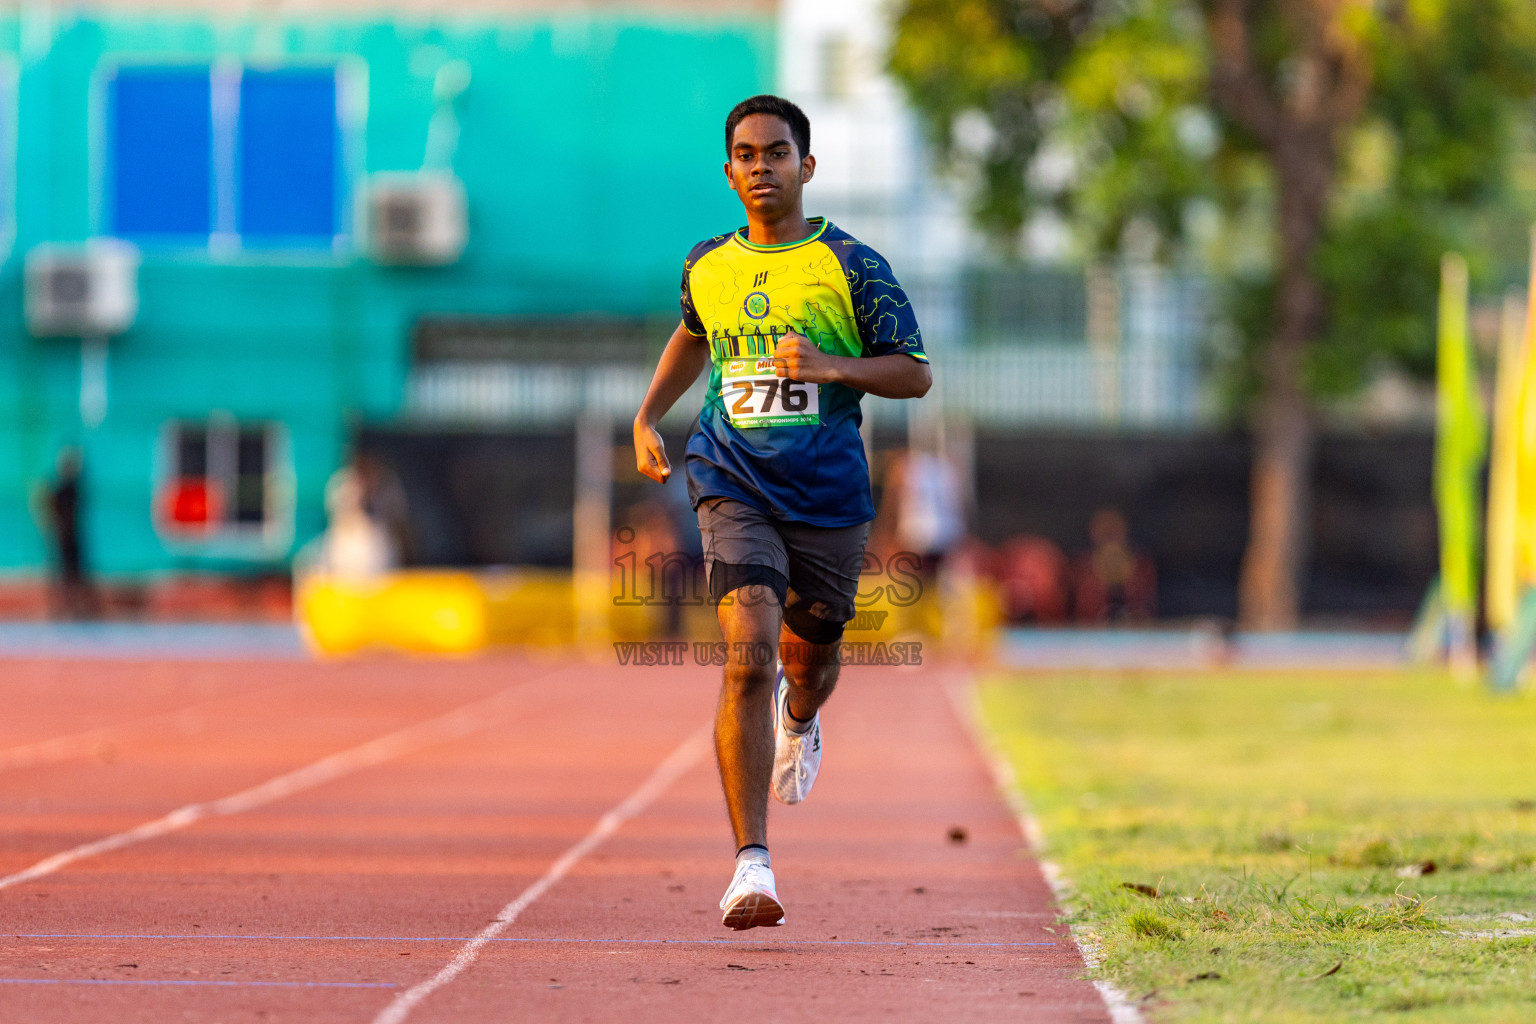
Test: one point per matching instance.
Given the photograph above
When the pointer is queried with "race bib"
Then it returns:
(755, 397)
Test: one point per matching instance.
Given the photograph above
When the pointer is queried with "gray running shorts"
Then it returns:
(814, 570)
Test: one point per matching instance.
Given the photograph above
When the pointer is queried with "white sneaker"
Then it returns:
(796, 755)
(750, 902)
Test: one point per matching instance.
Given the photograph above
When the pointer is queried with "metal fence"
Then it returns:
(1042, 386)
(1015, 347)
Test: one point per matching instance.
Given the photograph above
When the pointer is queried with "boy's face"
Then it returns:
(766, 168)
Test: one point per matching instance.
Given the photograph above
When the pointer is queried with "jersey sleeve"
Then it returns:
(691, 319)
(887, 324)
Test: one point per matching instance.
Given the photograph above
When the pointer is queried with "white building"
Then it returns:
(1131, 360)
(874, 176)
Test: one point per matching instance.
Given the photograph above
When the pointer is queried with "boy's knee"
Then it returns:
(815, 676)
(744, 676)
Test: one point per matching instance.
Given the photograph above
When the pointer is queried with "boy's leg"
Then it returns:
(749, 621)
(824, 566)
(748, 576)
(748, 579)
(810, 672)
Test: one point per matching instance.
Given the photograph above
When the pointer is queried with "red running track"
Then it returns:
(336, 892)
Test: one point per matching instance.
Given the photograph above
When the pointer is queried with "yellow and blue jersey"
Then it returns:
(790, 450)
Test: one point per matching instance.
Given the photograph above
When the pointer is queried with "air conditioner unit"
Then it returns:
(88, 290)
(416, 219)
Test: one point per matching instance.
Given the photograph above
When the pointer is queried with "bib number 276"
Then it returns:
(757, 399)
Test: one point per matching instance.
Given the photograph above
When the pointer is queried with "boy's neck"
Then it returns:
(792, 227)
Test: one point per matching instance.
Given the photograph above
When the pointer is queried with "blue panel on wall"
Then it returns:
(161, 126)
(289, 142)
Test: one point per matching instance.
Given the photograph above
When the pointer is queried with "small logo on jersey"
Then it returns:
(756, 305)
(760, 280)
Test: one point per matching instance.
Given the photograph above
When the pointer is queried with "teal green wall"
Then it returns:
(590, 149)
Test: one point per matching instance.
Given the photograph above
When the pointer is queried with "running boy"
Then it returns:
(797, 320)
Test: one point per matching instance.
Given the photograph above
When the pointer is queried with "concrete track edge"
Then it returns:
(961, 691)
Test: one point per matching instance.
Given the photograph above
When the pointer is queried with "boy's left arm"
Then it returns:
(892, 363)
(897, 375)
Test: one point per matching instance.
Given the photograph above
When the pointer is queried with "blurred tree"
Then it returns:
(1321, 155)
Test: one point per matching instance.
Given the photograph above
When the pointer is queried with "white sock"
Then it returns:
(791, 723)
(754, 854)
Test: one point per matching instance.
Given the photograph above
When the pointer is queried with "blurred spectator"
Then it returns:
(356, 545)
(1031, 574)
(73, 594)
(921, 526)
(384, 501)
(665, 573)
(1113, 583)
(922, 508)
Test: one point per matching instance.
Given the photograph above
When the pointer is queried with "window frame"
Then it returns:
(269, 539)
(224, 244)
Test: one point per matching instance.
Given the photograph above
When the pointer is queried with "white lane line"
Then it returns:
(65, 748)
(95, 742)
(679, 761)
(967, 707)
(467, 719)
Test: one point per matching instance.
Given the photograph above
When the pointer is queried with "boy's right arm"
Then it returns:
(684, 359)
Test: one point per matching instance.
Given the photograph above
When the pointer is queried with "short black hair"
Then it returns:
(778, 106)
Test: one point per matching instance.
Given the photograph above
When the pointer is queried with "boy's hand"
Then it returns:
(798, 358)
(651, 453)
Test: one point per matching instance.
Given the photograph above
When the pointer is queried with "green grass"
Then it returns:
(1273, 822)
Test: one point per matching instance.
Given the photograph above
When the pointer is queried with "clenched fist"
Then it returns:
(798, 358)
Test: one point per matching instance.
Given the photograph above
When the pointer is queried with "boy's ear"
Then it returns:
(807, 168)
